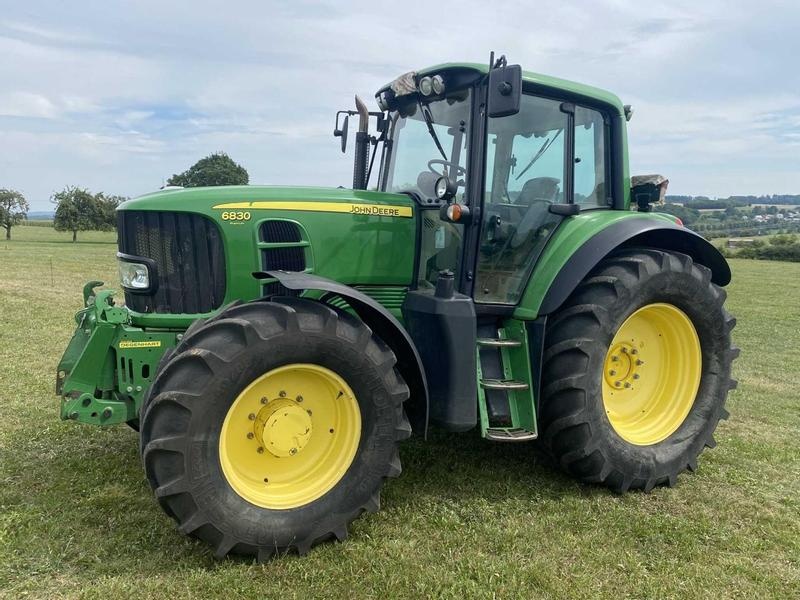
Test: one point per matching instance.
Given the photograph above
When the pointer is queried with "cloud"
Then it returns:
(26, 104)
(119, 99)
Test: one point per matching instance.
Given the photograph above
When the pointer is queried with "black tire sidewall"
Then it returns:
(238, 517)
(689, 294)
(662, 277)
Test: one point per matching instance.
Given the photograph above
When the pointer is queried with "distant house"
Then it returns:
(740, 242)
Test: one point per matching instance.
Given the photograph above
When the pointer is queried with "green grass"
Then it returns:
(467, 519)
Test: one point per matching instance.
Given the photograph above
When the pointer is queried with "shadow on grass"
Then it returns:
(463, 465)
(73, 482)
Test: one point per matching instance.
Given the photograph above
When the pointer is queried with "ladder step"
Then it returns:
(499, 343)
(503, 384)
(515, 434)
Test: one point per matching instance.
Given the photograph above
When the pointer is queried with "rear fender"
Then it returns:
(624, 233)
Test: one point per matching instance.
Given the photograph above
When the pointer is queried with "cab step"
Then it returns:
(506, 404)
(503, 384)
(499, 343)
(510, 434)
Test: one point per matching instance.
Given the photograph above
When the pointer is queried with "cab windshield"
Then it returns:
(413, 161)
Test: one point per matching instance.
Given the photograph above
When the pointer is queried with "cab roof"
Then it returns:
(537, 79)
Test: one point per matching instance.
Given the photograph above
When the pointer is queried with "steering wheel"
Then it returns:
(446, 164)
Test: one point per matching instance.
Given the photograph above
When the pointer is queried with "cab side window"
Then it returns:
(591, 188)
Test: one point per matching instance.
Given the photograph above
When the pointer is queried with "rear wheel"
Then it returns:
(273, 426)
(636, 370)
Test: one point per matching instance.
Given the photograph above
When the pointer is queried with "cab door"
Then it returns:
(549, 155)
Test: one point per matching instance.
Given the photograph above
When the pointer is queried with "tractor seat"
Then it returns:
(538, 189)
(536, 195)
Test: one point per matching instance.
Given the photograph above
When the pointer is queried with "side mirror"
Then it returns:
(505, 91)
(342, 133)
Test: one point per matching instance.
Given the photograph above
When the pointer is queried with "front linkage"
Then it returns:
(109, 364)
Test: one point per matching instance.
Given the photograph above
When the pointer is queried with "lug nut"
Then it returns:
(299, 399)
(617, 383)
(636, 376)
(309, 412)
(614, 358)
(612, 372)
(282, 394)
(260, 450)
(264, 400)
(624, 350)
(250, 436)
(251, 416)
(293, 451)
(627, 385)
(634, 351)
(639, 362)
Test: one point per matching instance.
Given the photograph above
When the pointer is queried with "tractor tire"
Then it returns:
(636, 371)
(273, 426)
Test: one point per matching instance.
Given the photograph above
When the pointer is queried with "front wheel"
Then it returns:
(273, 426)
(636, 370)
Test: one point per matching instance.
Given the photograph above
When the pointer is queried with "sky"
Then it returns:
(116, 96)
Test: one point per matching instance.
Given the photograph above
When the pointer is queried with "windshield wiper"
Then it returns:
(429, 122)
(547, 143)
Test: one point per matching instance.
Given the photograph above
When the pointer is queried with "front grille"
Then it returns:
(189, 255)
(280, 231)
(284, 246)
(283, 259)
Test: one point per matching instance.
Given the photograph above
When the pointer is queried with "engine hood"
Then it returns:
(209, 200)
(355, 237)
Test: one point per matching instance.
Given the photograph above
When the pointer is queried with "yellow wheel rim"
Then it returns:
(651, 374)
(290, 436)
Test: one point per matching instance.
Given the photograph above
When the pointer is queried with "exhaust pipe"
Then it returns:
(362, 147)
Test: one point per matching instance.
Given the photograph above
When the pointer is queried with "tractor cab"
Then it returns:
(492, 186)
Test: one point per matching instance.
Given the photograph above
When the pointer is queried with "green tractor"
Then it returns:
(504, 274)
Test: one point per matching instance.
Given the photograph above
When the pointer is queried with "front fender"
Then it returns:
(385, 326)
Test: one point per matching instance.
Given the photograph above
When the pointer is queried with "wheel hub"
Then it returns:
(624, 364)
(283, 427)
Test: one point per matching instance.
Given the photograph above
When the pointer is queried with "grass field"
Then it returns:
(466, 519)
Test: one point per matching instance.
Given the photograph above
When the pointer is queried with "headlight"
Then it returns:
(438, 84)
(441, 187)
(444, 188)
(133, 275)
(425, 86)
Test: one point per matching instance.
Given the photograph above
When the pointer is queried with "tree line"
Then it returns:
(78, 209)
(784, 247)
(704, 202)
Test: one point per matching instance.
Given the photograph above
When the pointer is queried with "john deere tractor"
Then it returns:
(494, 269)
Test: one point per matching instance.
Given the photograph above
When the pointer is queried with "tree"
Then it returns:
(77, 210)
(107, 211)
(688, 215)
(216, 169)
(13, 209)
